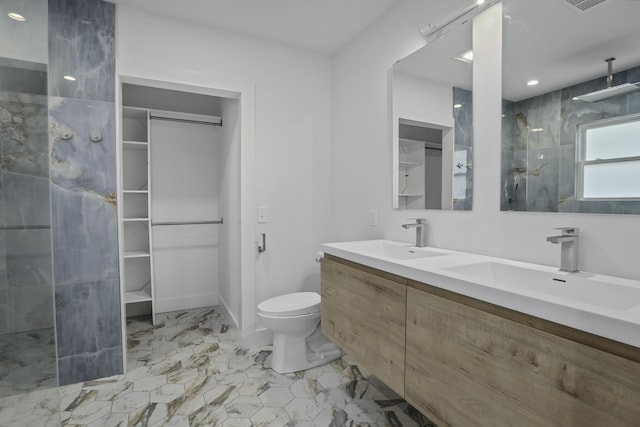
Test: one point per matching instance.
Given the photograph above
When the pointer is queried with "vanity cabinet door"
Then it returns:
(364, 314)
(468, 367)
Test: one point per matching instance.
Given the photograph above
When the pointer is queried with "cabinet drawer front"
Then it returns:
(466, 367)
(365, 315)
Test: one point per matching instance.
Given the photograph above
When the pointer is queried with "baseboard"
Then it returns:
(229, 312)
(185, 303)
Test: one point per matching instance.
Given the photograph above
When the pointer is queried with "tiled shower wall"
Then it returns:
(83, 189)
(539, 167)
(25, 246)
(463, 141)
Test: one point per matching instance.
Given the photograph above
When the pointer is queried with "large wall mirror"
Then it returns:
(571, 106)
(432, 125)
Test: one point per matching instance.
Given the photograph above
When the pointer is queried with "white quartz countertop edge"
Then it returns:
(620, 325)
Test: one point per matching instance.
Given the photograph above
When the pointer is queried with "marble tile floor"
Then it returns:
(187, 370)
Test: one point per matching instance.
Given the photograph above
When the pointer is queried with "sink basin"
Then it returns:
(567, 286)
(395, 250)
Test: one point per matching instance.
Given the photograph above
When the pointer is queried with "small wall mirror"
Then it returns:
(432, 125)
(571, 106)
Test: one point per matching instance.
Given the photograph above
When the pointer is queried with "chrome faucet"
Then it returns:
(569, 248)
(421, 231)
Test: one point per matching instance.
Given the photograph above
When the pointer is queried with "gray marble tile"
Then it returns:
(85, 319)
(25, 200)
(85, 245)
(24, 134)
(81, 44)
(78, 367)
(88, 330)
(79, 163)
(463, 141)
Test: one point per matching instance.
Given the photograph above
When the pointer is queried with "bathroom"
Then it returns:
(316, 152)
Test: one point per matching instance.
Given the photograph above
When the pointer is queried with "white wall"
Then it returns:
(285, 131)
(360, 111)
(184, 187)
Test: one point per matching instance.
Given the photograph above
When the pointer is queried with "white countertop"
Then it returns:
(607, 306)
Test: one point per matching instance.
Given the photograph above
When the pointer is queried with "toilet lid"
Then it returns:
(294, 304)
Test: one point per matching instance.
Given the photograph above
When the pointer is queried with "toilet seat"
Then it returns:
(294, 304)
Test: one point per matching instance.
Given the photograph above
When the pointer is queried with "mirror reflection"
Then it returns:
(432, 125)
(571, 106)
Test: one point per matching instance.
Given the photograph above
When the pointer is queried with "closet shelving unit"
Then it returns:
(137, 256)
(411, 168)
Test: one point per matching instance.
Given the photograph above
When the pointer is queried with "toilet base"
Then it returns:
(293, 354)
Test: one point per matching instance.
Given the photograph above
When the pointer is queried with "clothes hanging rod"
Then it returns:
(25, 227)
(219, 221)
(202, 122)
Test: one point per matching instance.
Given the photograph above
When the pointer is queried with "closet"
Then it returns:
(174, 195)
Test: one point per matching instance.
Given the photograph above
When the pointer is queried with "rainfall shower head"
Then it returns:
(610, 91)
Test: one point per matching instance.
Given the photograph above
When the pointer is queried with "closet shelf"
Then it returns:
(135, 145)
(411, 195)
(135, 191)
(136, 254)
(131, 297)
(135, 219)
(409, 164)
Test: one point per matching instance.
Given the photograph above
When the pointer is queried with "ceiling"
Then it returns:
(323, 26)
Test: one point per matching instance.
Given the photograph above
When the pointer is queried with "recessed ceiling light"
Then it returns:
(537, 130)
(70, 78)
(532, 82)
(479, 2)
(457, 105)
(16, 16)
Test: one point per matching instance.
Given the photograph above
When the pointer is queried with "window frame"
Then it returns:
(581, 154)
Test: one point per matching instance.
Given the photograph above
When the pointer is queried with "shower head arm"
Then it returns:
(609, 62)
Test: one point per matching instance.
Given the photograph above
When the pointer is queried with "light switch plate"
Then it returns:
(262, 215)
(373, 217)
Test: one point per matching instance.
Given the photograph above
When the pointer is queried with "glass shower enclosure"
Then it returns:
(28, 367)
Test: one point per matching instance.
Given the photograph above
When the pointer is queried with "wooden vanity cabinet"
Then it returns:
(363, 311)
(468, 367)
(465, 362)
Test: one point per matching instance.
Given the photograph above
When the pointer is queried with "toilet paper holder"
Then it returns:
(263, 247)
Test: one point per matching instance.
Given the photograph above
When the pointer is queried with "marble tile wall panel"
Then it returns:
(25, 200)
(29, 280)
(463, 140)
(26, 292)
(4, 290)
(88, 330)
(81, 43)
(24, 146)
(567, 201)
(542, 179)
(83, 177)
(533, 114)
(507, 161)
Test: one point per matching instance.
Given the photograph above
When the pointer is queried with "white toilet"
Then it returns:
(298, 343)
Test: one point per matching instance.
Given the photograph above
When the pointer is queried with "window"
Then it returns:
(609, 159)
